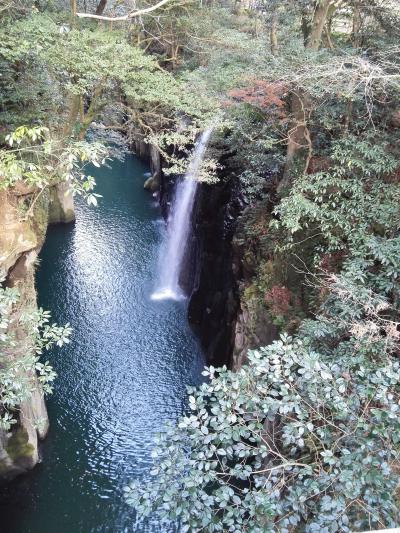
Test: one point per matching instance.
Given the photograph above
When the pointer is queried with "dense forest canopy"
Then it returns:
(304, 97)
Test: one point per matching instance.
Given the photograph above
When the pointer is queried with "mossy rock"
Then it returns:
(41, 216)
(4, 467)
(61, 205)
(151, 184)
(18, 446)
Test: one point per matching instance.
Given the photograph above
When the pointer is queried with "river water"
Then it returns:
(123, 375)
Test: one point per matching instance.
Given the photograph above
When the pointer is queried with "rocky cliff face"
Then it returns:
(253, 326)
(61, 205)
(226, 318)
(215, 273)
(21, 238)
(208, 274)
(213, 303)
(151, 154)
(219, 267)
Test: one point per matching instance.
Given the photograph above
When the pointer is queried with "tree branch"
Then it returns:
(128, 16)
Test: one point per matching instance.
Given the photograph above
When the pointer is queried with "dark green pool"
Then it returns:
(122, 377)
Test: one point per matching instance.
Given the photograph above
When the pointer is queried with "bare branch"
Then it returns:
(128, 16)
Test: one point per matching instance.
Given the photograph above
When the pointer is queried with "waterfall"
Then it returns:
(173, 248)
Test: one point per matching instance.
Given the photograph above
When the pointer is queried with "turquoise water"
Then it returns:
(122, 377)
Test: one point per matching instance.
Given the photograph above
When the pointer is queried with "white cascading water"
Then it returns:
(173, 249)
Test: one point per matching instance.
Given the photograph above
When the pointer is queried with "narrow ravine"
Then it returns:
(122, 377)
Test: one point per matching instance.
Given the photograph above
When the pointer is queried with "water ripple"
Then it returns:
(123, 376)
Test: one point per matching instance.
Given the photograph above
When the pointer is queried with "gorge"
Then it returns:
(123, 376)
(258, 263)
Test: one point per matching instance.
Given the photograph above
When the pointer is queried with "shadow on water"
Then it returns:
(123, 375)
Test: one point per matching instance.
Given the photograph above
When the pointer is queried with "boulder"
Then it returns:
(151, 184)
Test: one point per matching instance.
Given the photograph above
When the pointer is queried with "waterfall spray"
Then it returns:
(173, 249)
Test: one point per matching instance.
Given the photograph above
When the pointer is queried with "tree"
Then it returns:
(91, 68)
(34, 161)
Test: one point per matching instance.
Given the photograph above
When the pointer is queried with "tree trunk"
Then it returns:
(299, 142)
(74, 108)
(91, 113)
(72, 4)
(317, 24)
(101, 7)
(328, 33)
(357, 22)
(306, 24)
(273, 34)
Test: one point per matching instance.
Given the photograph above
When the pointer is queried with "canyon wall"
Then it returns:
(21, 238)
(151, 154)
(223, 309)
(213, 302)
(217, 268)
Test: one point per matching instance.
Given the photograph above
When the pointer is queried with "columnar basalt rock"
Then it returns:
(213, 302)
(21, 237)
(20, 240)
(215, 272)
(16, 234)
(253, 328)
(20, 446)
(212, 273)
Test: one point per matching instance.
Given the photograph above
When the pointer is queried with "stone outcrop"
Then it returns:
(151, 154)
(16, 236)
(61, 204)
(151, 184)
(253, 328)
(19, 449)
(227, 321)
(22, 233)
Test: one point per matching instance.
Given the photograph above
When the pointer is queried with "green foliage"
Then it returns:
(77, 73)
(305, 436)
(348, 202)
(20, 360)
(353, 208)
(253, 138)
(80, 58)
(37, 161)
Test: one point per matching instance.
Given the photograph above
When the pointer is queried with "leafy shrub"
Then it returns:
(17, 369)
(304, 437)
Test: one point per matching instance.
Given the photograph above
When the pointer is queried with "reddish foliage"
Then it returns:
(260, 227)
(318, 164)
(262, 94)
(331, 262)
(278, 298)
(394, 177)
(395, 119)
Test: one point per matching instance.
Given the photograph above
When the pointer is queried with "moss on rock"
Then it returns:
(18, 445)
